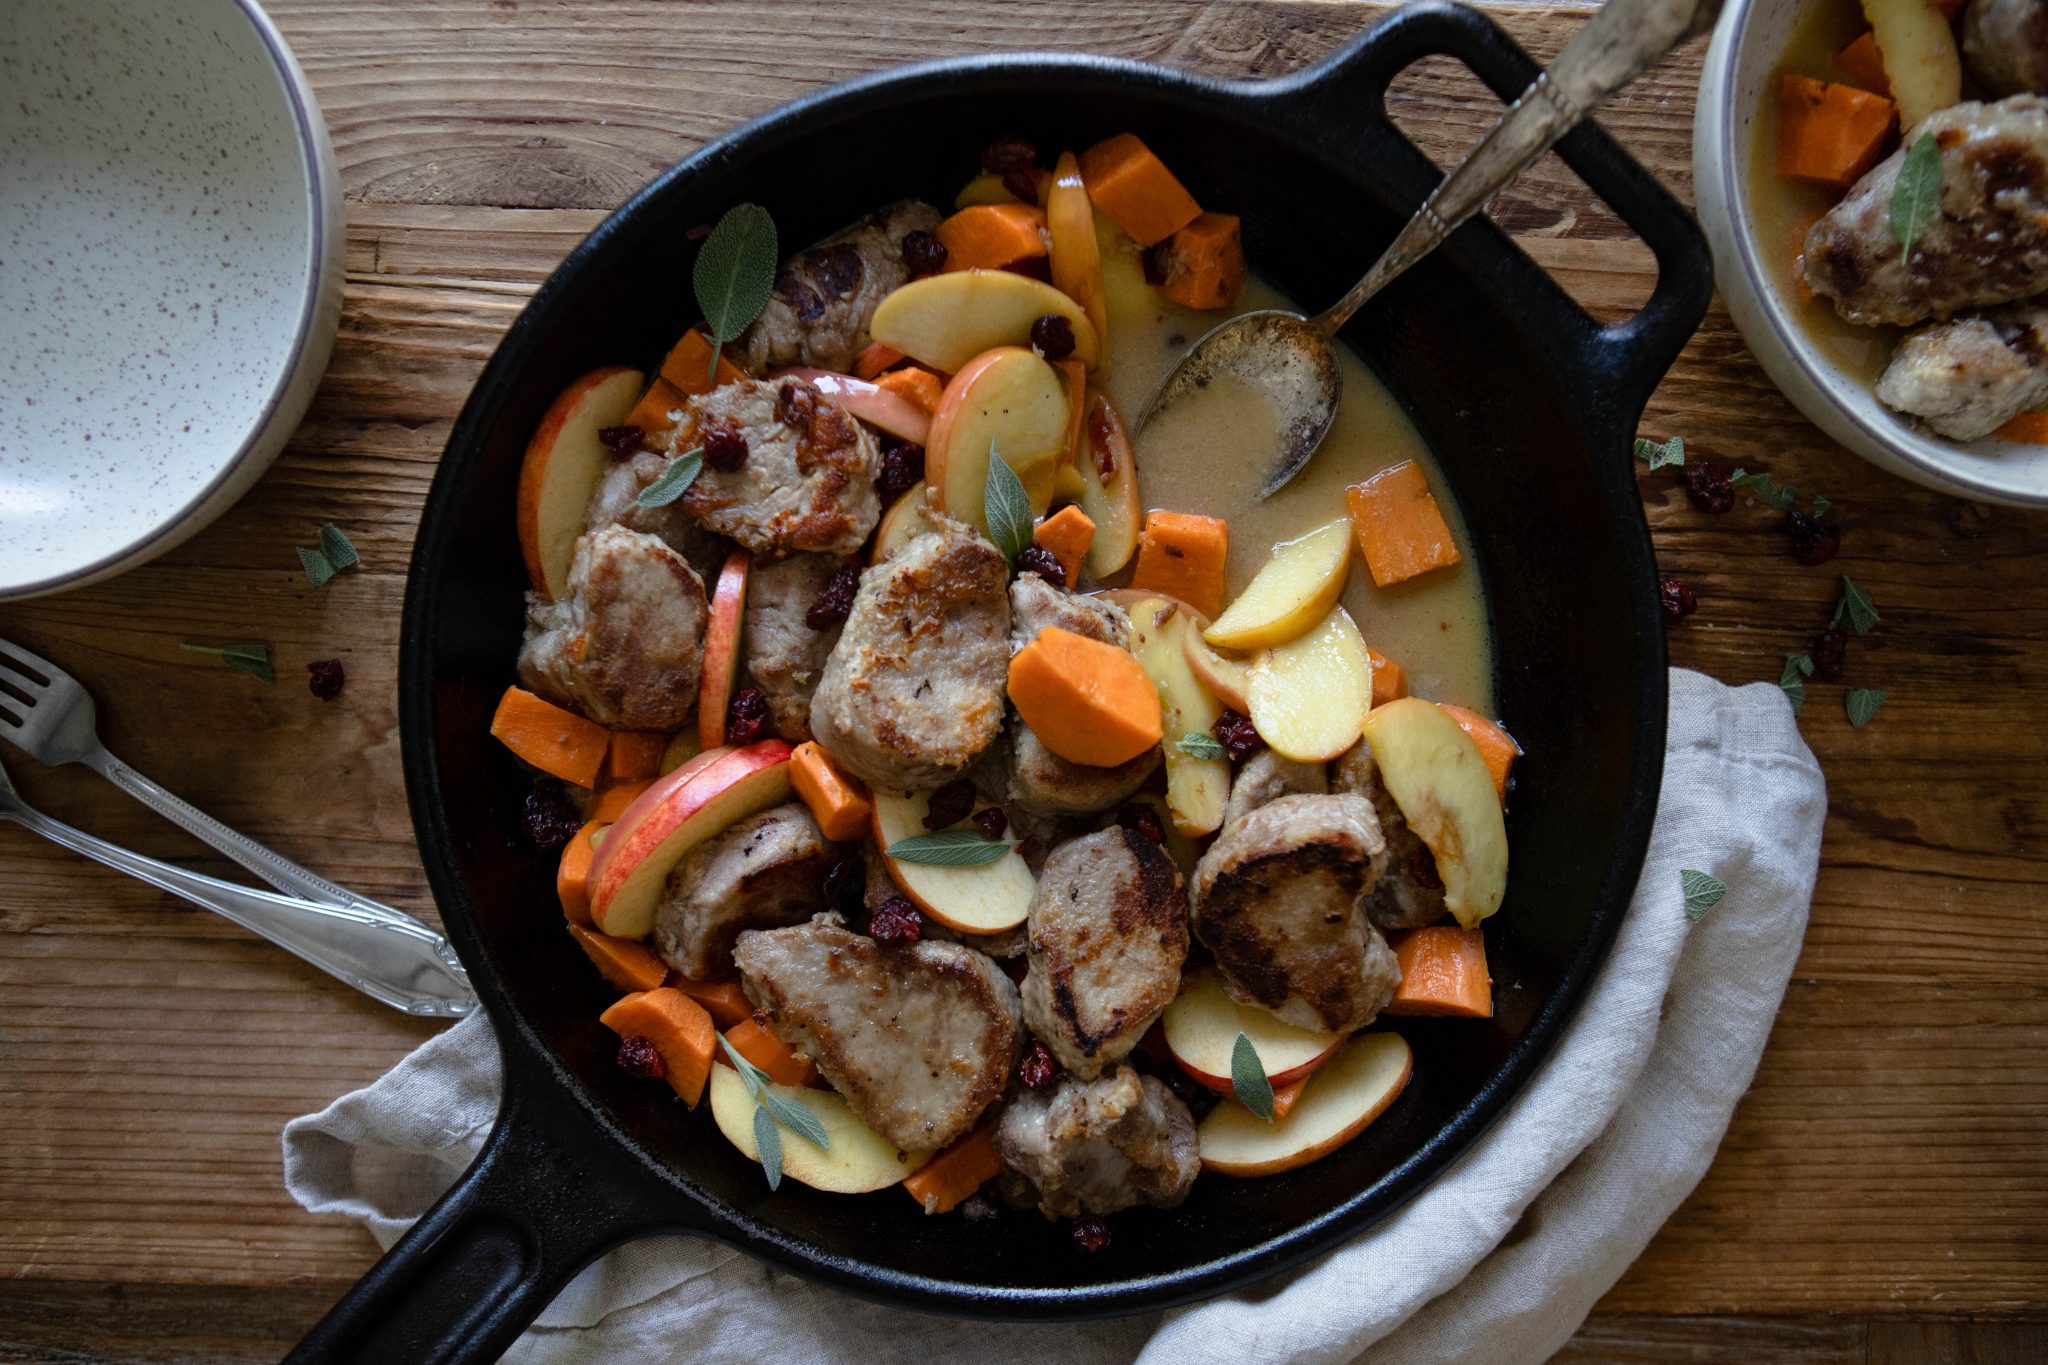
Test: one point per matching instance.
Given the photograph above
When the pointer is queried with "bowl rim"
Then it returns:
(315, 156)
(1722, 197)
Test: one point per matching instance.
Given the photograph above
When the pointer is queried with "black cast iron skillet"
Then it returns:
(1528, 402)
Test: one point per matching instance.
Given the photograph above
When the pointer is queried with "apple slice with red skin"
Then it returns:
(873, 404)
(1108, 473)
(708, 794)
(722, 648)
(1201, 1028)
(1351, 1090)
(564, 460)
(973, 900)
(1009, 399)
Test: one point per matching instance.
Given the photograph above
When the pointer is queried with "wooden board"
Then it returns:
(1888, 1164)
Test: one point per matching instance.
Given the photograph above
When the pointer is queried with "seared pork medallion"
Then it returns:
(920, 1038)
(875, 841)
(1969, 377)
(2005, 43)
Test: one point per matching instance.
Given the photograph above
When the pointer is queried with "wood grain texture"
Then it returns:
(1888, 1163)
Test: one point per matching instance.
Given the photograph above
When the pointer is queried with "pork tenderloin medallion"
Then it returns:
(921, 1038)
(825, 296)
(1108, 932)
(613, 503)
(1040, 781)
(807, 481)
(913, 691)
(1967, 377)
(1280, 901)
(1102, 1145)
(764, 872)
(1409, 893)
(785, 654)
(1267, 776)
(625, 647)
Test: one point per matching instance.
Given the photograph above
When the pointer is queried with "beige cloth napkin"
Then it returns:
(1498, 1261)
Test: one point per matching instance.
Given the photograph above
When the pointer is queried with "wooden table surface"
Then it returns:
(1882, 1194)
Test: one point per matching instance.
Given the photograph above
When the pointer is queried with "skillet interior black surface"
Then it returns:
(1529, 405)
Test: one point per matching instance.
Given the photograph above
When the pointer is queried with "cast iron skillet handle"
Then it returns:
(1631, 355)
(469, 1277)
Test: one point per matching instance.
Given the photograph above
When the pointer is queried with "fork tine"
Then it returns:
(34, 667)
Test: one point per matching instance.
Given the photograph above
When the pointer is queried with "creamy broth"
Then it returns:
(1212, 451)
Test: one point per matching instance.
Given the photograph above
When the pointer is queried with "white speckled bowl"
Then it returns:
(1749, 42)
(170, 274)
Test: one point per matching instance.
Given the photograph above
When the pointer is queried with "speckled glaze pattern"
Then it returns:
(170, 266)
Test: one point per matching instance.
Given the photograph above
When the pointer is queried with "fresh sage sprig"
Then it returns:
(771, 1109)
(1861, 703)
(1005, 506)
(1703, 891)
(1200, 744)
(1916, 194)
(1798, 668)
(1765, 487)
(1672, 452)
(1248, 1078)
(336, 552)
(1855, 607)
(948, 848)
(734, 275)
(673, 481)
(253, 659)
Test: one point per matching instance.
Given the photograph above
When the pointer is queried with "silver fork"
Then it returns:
(379, 950)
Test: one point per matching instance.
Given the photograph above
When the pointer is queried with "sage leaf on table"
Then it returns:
(1005, 506)
(336, 552)
(734, 275)
(1766, 488)
(948, 848)
(253, 659)
(1820, 506)
(1672, 452)
(1855, 607)
(1703, 891)
(673, 481)
(1248, 1078)
(1916, 194)
(1861, 703)
(1798, 668)
(1200, 744)
(768, 1142)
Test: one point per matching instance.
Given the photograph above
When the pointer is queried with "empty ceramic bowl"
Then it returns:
(170, 275)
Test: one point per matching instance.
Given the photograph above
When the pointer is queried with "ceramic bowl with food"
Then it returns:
(170, 275)
(1923, 363)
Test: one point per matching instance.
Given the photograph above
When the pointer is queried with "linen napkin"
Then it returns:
(1498, 1261)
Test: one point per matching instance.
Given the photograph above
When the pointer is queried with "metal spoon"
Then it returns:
(1294, 357)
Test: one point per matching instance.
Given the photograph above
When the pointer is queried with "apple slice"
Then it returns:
(873, 404)
(855, 1158)
(944, 321)
(682, 747)
(1438, 778)
(564, 461)
(905, 520)
(1348, 1092)
(672, 817)
(974, 900)
(1197, 789)
(1202, 1025)
(1224, 676)
(1109, 487)
(1076, 258)
(1309, 697)
(1294, 590)
(1009, 399)
(722, 649)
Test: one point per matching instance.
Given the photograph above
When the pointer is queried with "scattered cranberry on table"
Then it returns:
(895, 920)
(637, 1057)
(747, 717)
(325, 678)
(1677, 600)
(1813, 542)
(1829, 653)
(1707, 487)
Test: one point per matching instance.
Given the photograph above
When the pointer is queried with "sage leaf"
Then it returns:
(1200, 744)
(796, 1118)
(1861, 703)
(734, 275)
(1916, 195)
(768, 1142)
(673, 481)
(1005, 506)
(253, 659)
(1765, 487)
(320, 570)
(1798, 668)
(1820, 506)
(948, 848)
(339, 549)
(1672, 452)
(750, 1074)
(1855, 607)
(1703, 892)
(1248, 1078)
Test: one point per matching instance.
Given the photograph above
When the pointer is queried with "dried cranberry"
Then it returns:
(1708, 487)
(1830, 651)
(950, 804)
(1140, 818)
(1038, 1068)
(622, 441)
(1091, 1234)
(747, 718)
(725, 446)
(1008, 154)
(637, 1057)
(1053, 335)
(1813, 542)
(1422, 868)
(1043, 562)
(835, 603)
(1238, 736)
(1154, 259)
(1676, 599)
(902, 467)
(325, 678)
(923, 253)
(1022, 186)
(991, 822)
(895, 920)
(846, 884)
(1028, 846)
(548, 817)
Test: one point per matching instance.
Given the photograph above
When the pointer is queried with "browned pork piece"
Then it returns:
(1265, 777)
(1968, 377)
(1280, 901)
(921, 1038)
(612, 503)
(626, 646)
(825, 296)
(914, 688)
(784, 654)
(1409, 894)
(1040, 780)
(805, 478)
(1987, 245)
(2005, 45)
(764, 872)
(1102, 1145)
(1108, 933)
